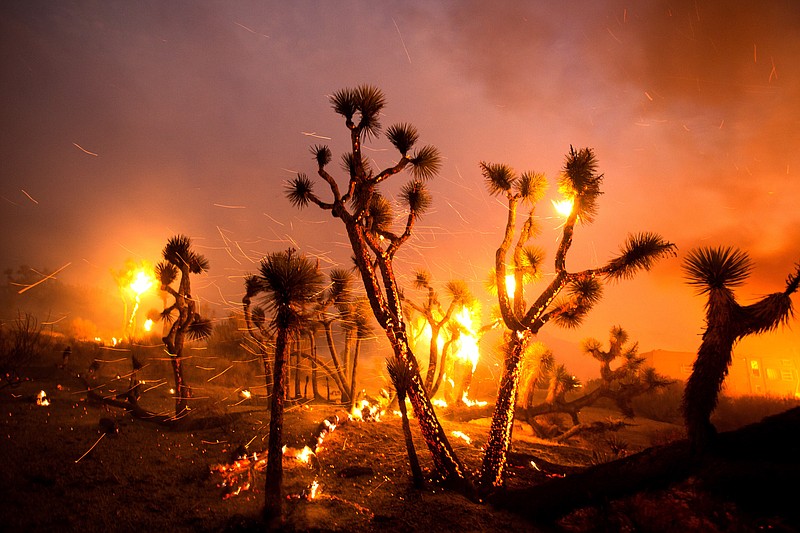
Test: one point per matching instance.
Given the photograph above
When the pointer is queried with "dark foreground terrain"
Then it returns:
(142, 476)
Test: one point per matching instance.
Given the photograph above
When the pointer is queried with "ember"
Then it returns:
(42, 399)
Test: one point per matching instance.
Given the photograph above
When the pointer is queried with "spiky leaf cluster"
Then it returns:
(366, 101)
(403, 136)
(300, 190)
(166, 273)
(709, 269)
(322, 154)
(498, 177)
(289, 280)
(639, 252)
(426, 163)
(199, 328)
(582, 295)
(581, 182)
(416, 196)
(178, 251)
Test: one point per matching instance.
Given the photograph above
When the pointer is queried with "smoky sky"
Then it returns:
(125, 123)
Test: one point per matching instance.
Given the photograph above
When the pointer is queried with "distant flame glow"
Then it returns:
(41, 399)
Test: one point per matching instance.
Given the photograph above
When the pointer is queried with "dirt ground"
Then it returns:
(76, 465)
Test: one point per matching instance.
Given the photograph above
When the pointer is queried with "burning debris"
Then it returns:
(239, 475)
(42, 399)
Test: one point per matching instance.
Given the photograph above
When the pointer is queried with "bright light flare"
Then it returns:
(141, 281)
(563, 207)
(148, 325)
(467, 350)
(246, 394)
(511, 285)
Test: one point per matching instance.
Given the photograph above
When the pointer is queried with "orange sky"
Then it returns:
(126, 123)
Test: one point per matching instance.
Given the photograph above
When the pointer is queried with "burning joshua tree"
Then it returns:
(580, 184)
(180, 259)
(367, 217)
(715, 272)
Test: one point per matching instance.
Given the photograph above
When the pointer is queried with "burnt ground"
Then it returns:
(142, 476)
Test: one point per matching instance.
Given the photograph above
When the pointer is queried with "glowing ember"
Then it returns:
(246, 394)
(461, 435)
(42, 399)
(563, 207)
(438, 402)
(366, 411)
(148, 325)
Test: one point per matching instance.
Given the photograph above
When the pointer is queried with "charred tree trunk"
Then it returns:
(497, 447)
(273, 503)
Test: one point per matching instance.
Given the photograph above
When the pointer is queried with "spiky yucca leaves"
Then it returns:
(300, 191)
(708, 269)
(166, 273)
(640, 252)
(178, 251)
(714, 272)
(403, 136)
(367, 101)
(416, 196)
(289, 281)
(400, 374)
(580, 182)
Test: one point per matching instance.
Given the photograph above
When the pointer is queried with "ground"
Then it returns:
(77, 465)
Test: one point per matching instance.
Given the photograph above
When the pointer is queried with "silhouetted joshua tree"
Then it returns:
(715, 272)
(401, 377)
(180, 259)
(288, 282)
(580, 183)
(367, 218)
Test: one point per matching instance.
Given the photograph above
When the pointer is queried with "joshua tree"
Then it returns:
(367, 218)
(715, 272)
(288, 282)
(438, 317)
(401, 376)
(580, 183)
(179, 258)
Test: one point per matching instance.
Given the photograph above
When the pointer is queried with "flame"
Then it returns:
(364, 410)
(148, 325)
(312, 491)
(438, 402)
(563, 207)
(472, 403)
(246, 394)
(141, 281)
(461, 435)
(467, 349)
(42, 399)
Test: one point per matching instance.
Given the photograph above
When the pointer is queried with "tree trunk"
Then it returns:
(494, 458)
(416, 471)
(273, 501)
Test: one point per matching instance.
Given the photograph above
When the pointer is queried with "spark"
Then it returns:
(218, 375)
(611, 33)
(251, 30)
(314, 134)
(29, 196)
(84, 150)
(647, 94)
(49, 276)
(90, 449)
(272, 219)
(774, 72)
(401, 40)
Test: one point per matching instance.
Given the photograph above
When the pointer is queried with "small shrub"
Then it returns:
(662, 404)
(733, 412)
